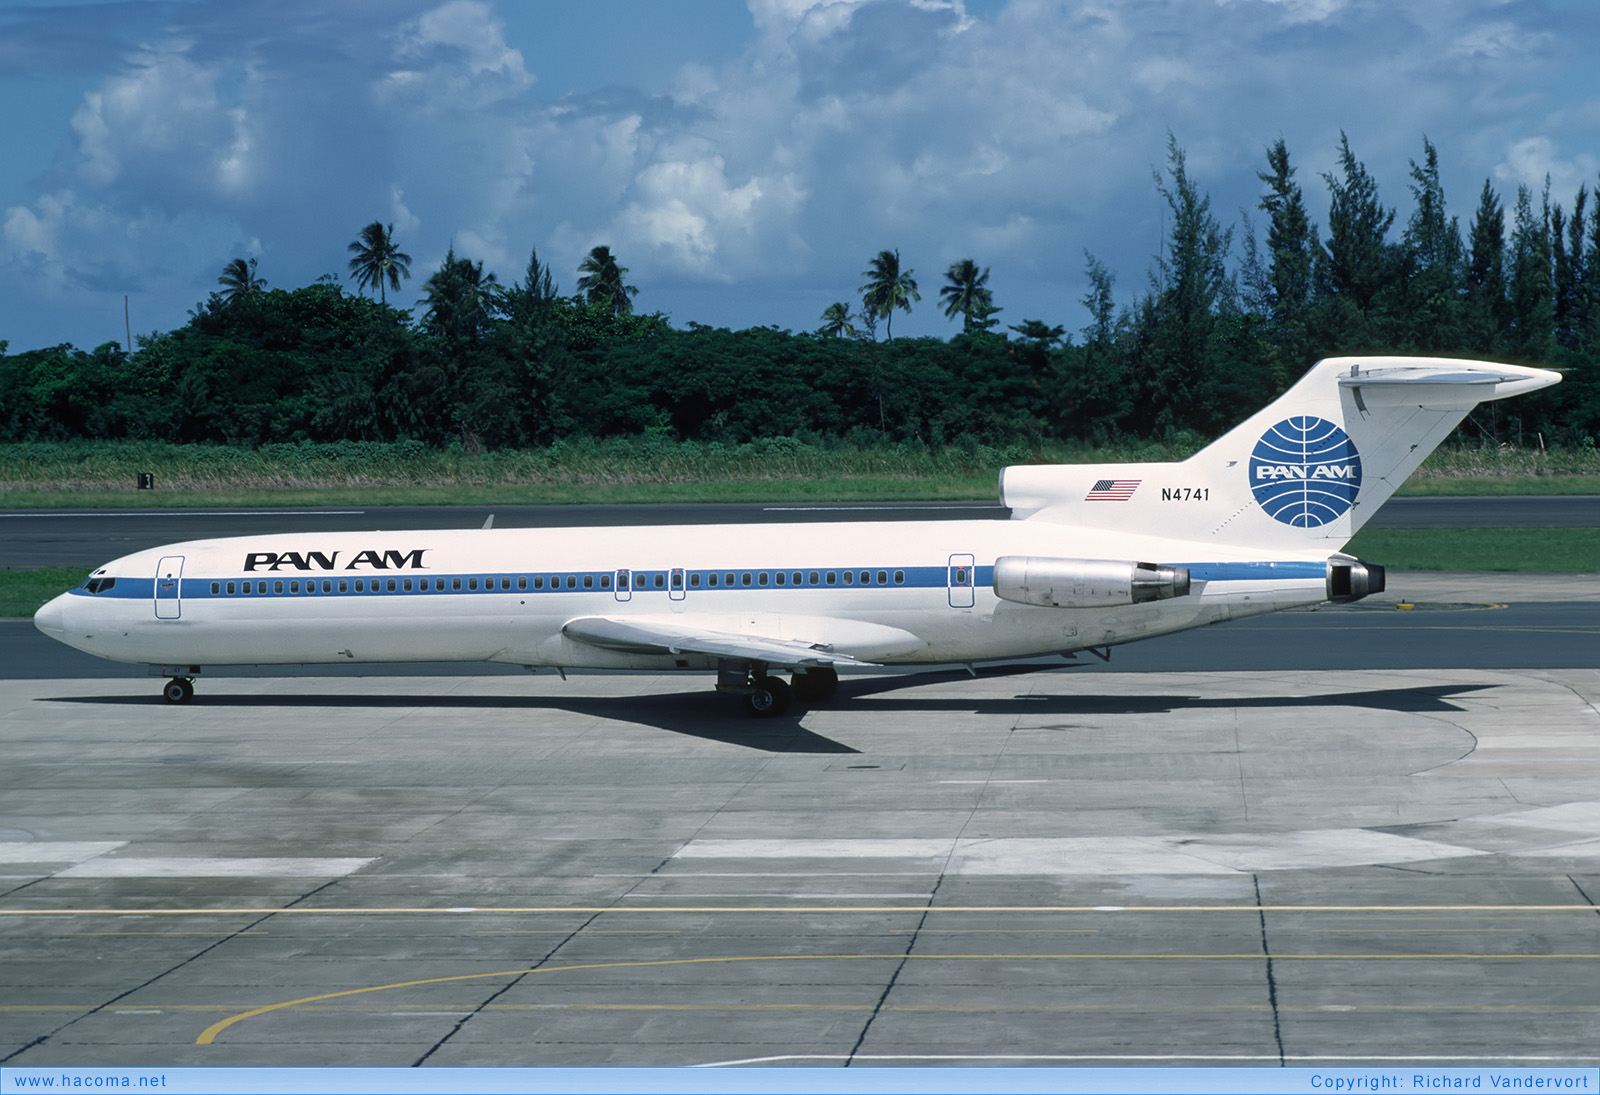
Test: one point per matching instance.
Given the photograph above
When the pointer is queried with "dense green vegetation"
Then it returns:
(1222, 327)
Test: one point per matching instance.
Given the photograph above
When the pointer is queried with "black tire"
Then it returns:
(816, 685)
(178, 690)
(770, 699)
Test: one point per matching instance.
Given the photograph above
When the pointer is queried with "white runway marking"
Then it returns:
(55, 851)
(200, 867)
(1178, 853)
(1568, 830)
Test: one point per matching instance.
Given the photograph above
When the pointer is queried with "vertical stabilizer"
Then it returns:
(1305, 472)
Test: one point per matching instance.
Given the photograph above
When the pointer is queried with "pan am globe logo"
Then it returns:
(1305, 472)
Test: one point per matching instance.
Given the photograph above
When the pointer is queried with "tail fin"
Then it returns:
(1305, 472)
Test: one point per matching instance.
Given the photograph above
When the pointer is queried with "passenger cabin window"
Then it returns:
(677, 579)
(277, 587)
(694, 581)
(232, 589)
(588, 581)
(294, 587)
(744, 579)
(849, 578)
(455, 585)
(883, 577)
(406, 585)
(472, 584)
(832, 577)
(361, 585)
(522, 582)
(572, 581)
(711, 580)
(216, 588)
(327, 585)
(797, 577)
(778, 577)
(761, 579)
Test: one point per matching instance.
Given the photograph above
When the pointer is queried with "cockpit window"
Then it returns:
(99, 585)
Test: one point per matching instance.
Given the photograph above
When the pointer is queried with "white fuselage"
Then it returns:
(891, 593)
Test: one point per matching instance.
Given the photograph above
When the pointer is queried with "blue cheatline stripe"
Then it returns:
(1256, 572)
(375, 583)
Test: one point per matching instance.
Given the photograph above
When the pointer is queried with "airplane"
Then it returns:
(1092, 556)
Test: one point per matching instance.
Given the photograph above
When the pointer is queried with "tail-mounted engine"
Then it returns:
(1349, 579)
(1085, 583)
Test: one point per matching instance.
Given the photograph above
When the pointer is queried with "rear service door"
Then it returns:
(169, 587)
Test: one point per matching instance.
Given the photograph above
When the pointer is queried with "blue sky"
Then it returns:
(744, 160)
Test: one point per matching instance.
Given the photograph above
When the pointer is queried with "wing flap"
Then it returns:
(774, 638)
(649, 636)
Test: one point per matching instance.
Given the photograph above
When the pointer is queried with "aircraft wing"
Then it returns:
(654, 635)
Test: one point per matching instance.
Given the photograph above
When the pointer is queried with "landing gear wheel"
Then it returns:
(816, 685)
(770, 698)
(178, 690)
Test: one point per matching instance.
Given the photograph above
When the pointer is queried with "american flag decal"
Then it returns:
(1112, 490)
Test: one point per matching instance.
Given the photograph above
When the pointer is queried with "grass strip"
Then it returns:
(1528, 549)
(24, 592)
(98, 474)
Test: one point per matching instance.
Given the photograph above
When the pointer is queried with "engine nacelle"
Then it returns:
(1349, 579)
(1085, 583)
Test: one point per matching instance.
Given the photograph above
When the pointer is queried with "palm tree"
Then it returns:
(887, 288)
(967, 293)
(602, 284)
(458, 297)
(836, 321)
(377, 260)
(239, 280)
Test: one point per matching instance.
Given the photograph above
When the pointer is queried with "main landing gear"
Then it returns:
(767, 696)
(178, 690)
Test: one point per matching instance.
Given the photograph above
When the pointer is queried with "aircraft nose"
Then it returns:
(52, 618)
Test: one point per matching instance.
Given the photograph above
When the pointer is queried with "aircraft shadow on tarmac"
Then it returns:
(692, 714)
(698, 715)
(1430, 698)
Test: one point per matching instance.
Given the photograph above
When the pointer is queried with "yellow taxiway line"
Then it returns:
(209, 1035)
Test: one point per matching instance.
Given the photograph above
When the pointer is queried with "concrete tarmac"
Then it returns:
(1241, 867)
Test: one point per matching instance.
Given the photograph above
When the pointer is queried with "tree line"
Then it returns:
(1224, 322)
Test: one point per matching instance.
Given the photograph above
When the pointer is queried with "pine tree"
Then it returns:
(1532, 313)
(1360, 261)
(1567, 241)
(1432, 262)
(1486, 274)
(1290, 239)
